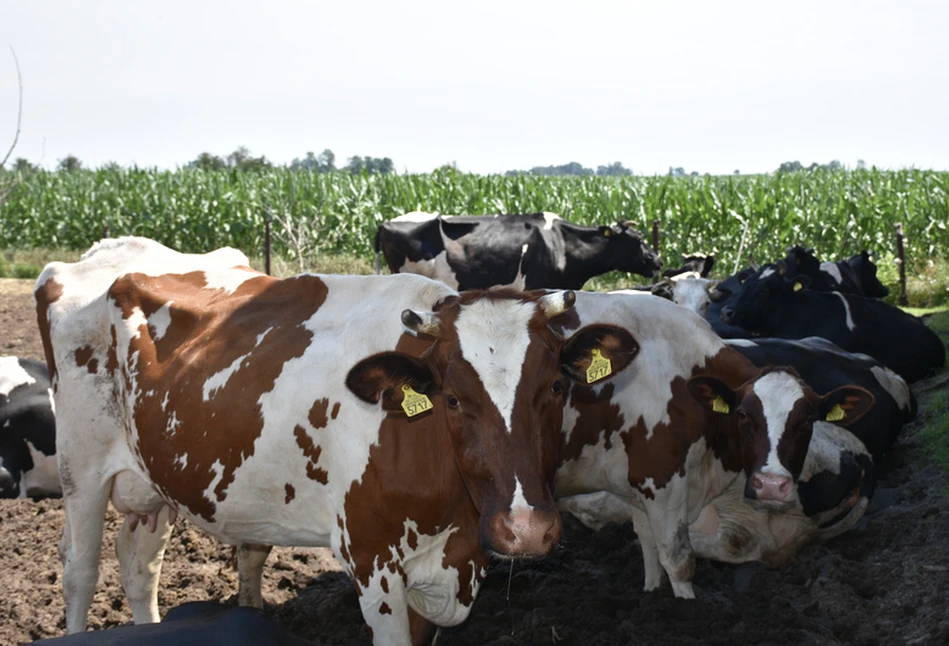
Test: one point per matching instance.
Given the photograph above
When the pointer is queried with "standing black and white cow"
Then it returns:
(539, 250)
(27, 430)
(774, 303)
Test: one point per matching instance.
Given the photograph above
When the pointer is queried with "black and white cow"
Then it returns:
(725, 294)
(521, 251)
(824, 366)
(27, 430)
(772, 303)
(856, 275)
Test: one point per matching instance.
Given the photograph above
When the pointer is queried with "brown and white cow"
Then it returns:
(673, 430)
(301, 412)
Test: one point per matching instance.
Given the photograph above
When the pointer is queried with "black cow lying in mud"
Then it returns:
(521, 251)
(773, 302)
(27, 430)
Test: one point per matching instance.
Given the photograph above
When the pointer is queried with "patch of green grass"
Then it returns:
(935, 433)
(23, 270)
(320, 264)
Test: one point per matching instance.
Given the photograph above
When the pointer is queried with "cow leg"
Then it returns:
(80, 549)
(250, 570)
(670, 528)
(140, 554)
(424, 632)
(386, 610)
(647, 542)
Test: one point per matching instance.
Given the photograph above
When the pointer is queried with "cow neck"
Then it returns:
(584, 249)
(412, 486)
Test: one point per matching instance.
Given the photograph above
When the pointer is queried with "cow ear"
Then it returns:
(714, 394)
(800, 282)
(597, 352)
(374, 376)
(845, 405)
(707, 266)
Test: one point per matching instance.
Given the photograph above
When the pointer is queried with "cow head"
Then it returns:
(687, 289)
(762, 297)
(802, 261)
(866, 272)
(774, 415)
(496, 376)
(628, 251)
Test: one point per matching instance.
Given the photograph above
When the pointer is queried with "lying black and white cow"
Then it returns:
(773, 303)
(824, 366)
(856, 275)
(27, 430)
(725, 294)
(521, 251)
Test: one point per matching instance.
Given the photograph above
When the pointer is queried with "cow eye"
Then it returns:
(741, 413)
(452, 401)
(557, 387)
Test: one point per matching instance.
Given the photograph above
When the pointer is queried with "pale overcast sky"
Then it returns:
(491, 85)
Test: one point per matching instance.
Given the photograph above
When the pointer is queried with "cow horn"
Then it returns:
(421, 322)
(753, 264)
(557, 302)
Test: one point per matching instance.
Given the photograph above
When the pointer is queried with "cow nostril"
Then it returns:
(757, 483)
(784, 486)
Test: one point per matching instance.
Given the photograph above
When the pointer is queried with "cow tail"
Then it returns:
(376, 244)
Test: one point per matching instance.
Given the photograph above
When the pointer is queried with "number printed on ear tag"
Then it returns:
(415, 403)
(600, 367)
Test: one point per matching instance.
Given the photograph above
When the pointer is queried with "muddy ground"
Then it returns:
(886, 582)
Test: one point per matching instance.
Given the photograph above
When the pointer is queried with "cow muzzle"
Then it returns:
(771, 490)
(524, 533)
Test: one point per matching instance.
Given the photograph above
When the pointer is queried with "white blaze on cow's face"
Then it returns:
(496, 351)
(778, 393)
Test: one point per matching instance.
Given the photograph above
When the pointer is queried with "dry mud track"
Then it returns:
(885, 582)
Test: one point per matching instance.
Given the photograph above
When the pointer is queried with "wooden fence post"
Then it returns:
(267, 245)
(655, 245)
(901, 261)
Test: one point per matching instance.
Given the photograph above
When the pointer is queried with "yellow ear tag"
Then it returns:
(836, 414)
(608, 232)
(600, 367)
(415, 403)
(719, 406)
(798, 287)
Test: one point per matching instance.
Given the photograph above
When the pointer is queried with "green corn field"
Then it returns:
(837, 212)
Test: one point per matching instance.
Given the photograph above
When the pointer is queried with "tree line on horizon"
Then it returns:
(241, 159)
